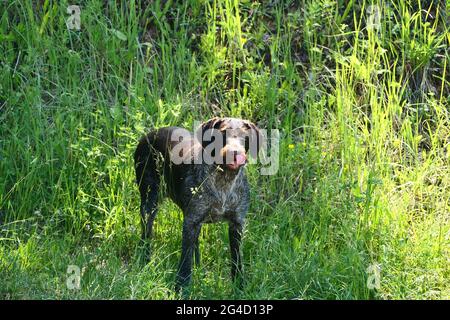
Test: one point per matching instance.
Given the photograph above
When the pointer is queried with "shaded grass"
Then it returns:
(364, 162)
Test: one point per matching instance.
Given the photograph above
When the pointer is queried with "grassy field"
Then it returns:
(359, 90)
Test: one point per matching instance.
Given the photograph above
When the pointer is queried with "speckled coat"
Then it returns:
(206, 193)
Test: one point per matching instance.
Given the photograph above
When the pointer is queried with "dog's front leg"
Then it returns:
(235, 234)
(197, 253)
(191, 232)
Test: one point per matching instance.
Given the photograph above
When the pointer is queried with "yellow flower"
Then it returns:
(291, 146)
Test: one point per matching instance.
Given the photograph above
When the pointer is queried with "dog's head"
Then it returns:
(228, 141)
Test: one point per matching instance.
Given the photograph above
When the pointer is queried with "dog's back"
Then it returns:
(155, 156)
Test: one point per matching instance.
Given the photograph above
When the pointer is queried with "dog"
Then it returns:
(204, 175)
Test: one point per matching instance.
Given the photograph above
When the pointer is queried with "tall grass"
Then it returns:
(359, 90)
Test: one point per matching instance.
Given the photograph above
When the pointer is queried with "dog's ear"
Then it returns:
(253, 144)
(204, 134)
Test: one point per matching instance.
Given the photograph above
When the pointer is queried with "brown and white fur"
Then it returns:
(206, 191)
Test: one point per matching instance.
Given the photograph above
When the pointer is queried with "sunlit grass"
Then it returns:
(363, 111)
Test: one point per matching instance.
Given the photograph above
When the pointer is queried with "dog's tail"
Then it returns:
(145, 160)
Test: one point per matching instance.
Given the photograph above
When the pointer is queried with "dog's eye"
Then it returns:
(247, 143)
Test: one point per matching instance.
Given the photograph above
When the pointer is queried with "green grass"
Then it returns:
(363, 111)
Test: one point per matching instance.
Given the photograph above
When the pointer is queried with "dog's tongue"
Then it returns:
(240, 159)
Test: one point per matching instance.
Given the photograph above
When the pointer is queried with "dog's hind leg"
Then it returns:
(149, 206)
(148, 180)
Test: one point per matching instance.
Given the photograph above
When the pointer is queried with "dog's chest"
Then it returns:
(220, 202)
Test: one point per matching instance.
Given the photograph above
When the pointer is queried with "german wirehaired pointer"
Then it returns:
(204, 176)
